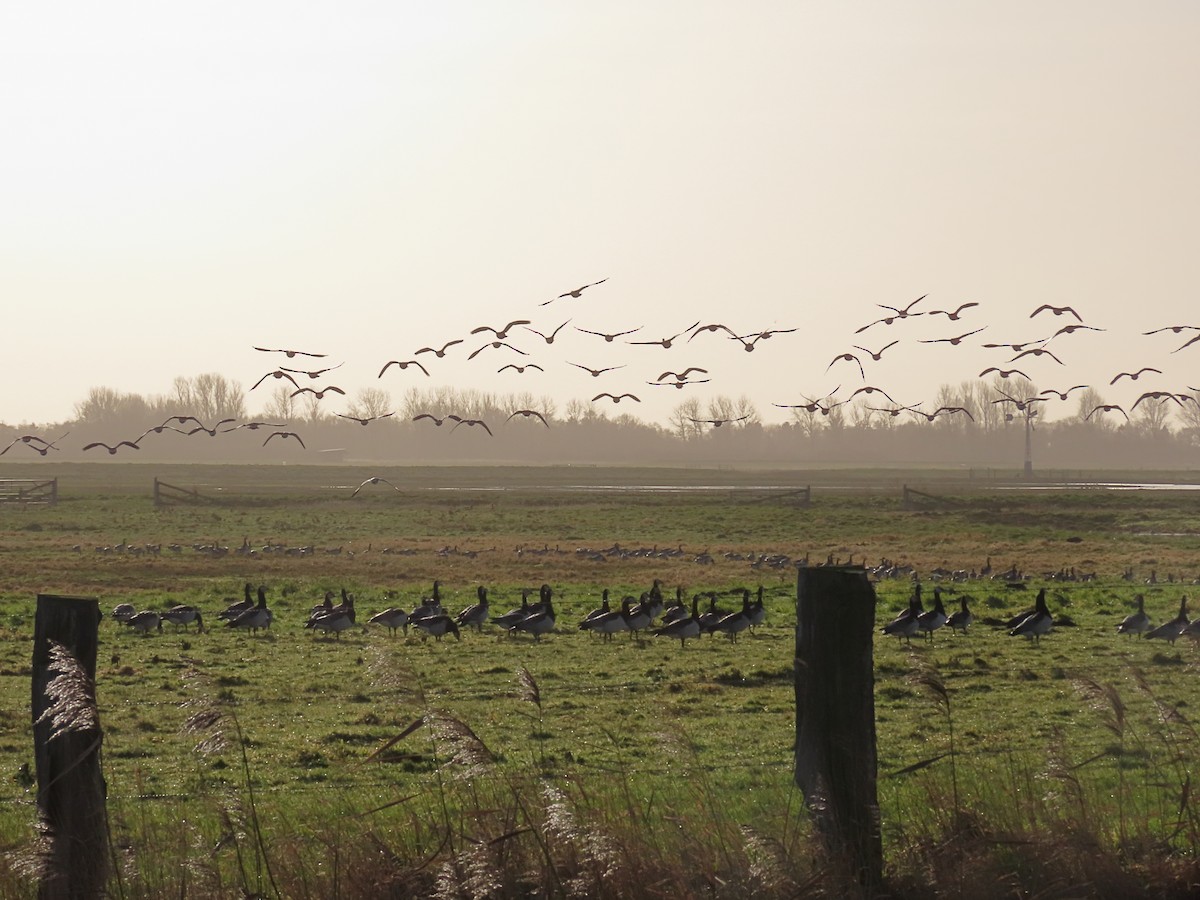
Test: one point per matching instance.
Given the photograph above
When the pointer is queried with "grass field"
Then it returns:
(253, 763)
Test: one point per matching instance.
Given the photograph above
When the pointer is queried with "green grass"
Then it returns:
(640, 754)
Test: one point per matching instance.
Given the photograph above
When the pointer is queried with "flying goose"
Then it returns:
(500, 333)
(439, 352)
(291, 354)
(549, 339)
(576, 293)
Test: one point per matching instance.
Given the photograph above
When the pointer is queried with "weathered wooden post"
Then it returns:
(835, 716)
(66, 738)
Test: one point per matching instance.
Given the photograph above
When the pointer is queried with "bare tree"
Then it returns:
(104, 405)
(210, 396)
(1152, 417)
(682, 416)
(281, 405)
(370, 402)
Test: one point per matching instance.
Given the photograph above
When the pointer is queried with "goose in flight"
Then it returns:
(904, 312)
(948, 410)
(750, 340)
(616, 398)
(292, 354)
(717, 423)
(374, 479)
(876, 355)
(253, 426)
(596, 373)
(893, 411)
(952, 315)
(439, 352)
(364, 420)
(1016, 348)
(1057, 310)
(520, 369)
(609, 338)
(953, 341)
(403, 364)
(527, 413)
(847, 357)
(278, 373)
(1174, 329)
(496, 345)
(682, 376)
(285, 435)
(1157, 395)
(211, 432)
(1004, 373)
(1021, 404)
(1062, 395)
(715, 326)
(28, 439)
(500, 333)
(1107, 407)
(479, 422)
(1133, 376)
(681, 383)
(112, 450)
(666, 342)
(159, 429)
(869, 389)
(1037, 351)
(576, 293)
(436, 421)
(1071, 329)
(1188, 344)
(319, 394)
(315, 373)
(549, 338)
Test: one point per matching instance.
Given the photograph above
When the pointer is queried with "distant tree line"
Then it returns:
(984, 424)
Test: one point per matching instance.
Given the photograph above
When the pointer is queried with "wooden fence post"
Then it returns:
(66, 739)
(835, 716)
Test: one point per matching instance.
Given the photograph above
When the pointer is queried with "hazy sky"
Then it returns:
(182, 183)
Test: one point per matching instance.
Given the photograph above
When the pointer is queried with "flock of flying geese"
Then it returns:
(634, 615)
(498, 338)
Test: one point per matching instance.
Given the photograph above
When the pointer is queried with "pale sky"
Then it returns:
(180, 183)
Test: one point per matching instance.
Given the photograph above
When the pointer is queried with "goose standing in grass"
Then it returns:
(905, 625)
(608, 622)
(930, 621)
(1037, 623)
(429, 606)
(758, 614)
(324, 607)
(538, 623)
(636, 616)
(961, 620)
(711, 616)
(337, 620)
(655, 598)
(236, 607)
(602, 610)
(477, 613)
(123, 612)
(735, 622)
(145, 621)
(393, 618)
(1138, 622)
(1169, 631)
(513, 616)
(682, 627)
(254, 618)
(438, 626)
(185, 616)
(677, 610)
